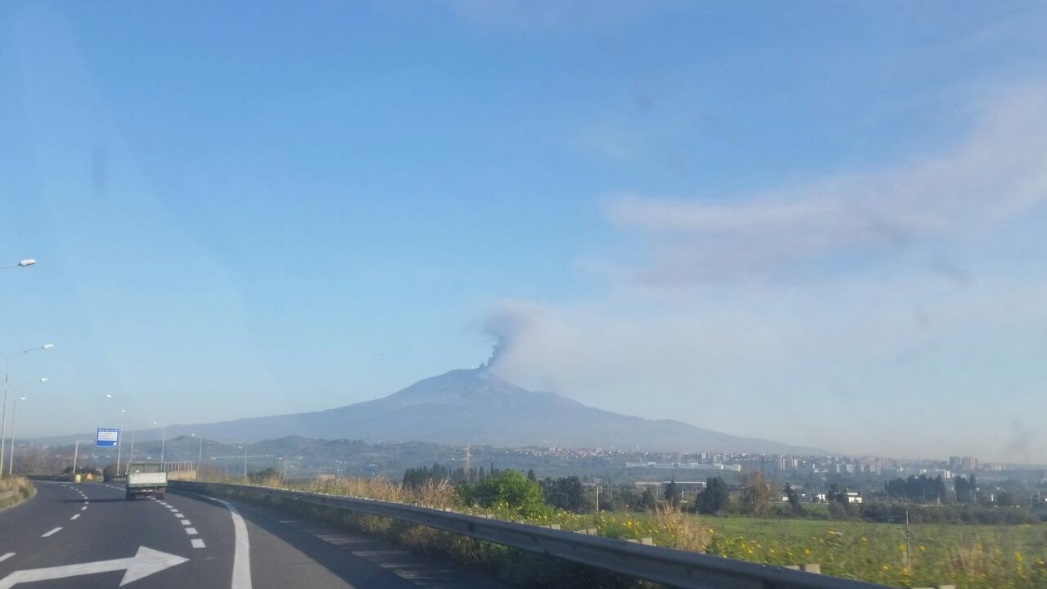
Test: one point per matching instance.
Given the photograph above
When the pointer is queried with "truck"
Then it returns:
(146, 478)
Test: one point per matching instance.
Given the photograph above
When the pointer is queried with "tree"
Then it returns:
(648, 501)
(109, 471)
(565, 493)
(714, 498)
(509, 490)
(793, 498)
(672, 493)
(756, 494)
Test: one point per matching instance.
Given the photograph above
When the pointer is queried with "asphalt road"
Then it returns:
(88, 535)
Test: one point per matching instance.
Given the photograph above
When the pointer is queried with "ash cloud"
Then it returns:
(505, 325)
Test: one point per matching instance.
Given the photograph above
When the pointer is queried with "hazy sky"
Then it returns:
(820, 222)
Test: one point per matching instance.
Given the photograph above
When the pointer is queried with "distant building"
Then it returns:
(854, 497)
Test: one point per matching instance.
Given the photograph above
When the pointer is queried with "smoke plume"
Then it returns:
(505, 325)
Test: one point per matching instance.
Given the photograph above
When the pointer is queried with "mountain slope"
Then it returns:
(477, 407)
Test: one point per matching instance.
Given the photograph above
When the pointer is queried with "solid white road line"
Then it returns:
(6, 556)
(198, 543)
(52, 532)
(241, 550)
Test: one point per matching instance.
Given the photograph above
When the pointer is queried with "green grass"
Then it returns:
(969, 556)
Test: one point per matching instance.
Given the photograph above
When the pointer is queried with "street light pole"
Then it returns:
(133, 430)
(119, 444)
(163, 442)
(7, 378)
(11, 457)
(14, 415)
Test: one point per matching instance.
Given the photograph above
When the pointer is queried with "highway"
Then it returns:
(88, 535)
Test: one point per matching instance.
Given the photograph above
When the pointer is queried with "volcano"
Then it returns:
(476, 406)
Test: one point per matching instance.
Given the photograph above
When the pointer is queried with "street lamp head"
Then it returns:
(44, 379)
(21, 398)
(27, 262)
(108, 396)
(47, 346)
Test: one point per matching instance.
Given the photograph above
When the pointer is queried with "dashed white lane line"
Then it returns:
(84, 508)
(197, 542)
(10, 554)
(52, 532)
(75, 516)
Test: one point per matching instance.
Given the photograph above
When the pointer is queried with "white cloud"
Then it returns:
(997, 174)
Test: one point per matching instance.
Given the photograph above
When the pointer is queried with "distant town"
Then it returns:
(812, 476)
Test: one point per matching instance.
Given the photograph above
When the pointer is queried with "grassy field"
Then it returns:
(968, 556)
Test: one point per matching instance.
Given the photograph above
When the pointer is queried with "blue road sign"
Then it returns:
(107, 437)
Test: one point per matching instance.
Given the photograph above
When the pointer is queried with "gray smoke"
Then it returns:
(504, 325)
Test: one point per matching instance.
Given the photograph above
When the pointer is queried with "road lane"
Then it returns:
(108, 534)
(287, 551)
(87, 535)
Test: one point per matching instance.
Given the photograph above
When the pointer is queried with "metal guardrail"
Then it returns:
(674, 568)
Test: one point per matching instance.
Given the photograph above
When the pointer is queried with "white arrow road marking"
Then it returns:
(144, 563)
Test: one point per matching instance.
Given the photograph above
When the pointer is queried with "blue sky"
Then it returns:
(818, 222)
